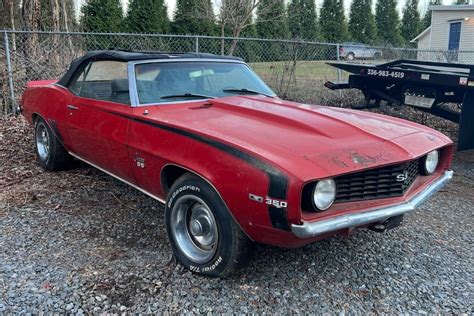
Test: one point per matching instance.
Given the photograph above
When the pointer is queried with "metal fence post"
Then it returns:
(196, 44)
(338, 56)
(14, 107)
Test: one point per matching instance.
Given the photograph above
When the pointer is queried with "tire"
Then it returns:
(377, 56)
(50, 154)
(204, 237)
(350, 56)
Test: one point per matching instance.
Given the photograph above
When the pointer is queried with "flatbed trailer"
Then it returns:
(426, 86)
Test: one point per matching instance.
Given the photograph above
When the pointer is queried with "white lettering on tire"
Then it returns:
(212, 267)
(181, 189)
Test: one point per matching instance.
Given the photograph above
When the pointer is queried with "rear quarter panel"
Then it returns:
(48, 100)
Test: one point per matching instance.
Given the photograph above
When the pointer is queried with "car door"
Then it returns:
(97, 122)
(358, 51)
(364, 50)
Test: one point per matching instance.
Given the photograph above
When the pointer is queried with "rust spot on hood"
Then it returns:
(339, 162)
(364, 160)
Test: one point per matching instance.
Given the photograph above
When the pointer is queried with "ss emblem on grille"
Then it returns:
(402, 177)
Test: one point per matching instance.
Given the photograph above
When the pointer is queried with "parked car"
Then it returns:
(351, 51)
(232, 162)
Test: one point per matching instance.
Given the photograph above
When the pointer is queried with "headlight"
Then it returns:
(324, 194)
(431, 162)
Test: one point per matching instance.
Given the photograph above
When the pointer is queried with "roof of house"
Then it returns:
(423, 33)
(458, 7)
(463, 7)
(122, 55)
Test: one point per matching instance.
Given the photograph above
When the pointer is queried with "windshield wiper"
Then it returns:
(187, 95)
(246, 91)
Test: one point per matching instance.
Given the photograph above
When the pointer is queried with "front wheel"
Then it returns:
(204, 237)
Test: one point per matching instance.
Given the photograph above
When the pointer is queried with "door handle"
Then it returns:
(72, 107)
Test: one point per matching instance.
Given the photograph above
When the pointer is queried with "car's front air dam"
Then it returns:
(312, 229)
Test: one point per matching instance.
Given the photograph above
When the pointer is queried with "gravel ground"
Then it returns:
(82, 242)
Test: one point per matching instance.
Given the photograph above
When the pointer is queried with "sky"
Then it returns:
(423, 6)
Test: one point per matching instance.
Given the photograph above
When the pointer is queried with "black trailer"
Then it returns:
(427, 86)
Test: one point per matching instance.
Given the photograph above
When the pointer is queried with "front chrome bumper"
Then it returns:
(311, 229)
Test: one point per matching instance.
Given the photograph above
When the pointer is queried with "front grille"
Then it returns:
(377, 183)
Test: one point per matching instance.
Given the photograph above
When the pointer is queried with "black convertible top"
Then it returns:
(122, 55)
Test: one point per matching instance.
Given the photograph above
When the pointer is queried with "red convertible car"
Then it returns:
(232, 162)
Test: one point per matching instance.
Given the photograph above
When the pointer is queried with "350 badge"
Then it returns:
(275, 203)
(269, 201)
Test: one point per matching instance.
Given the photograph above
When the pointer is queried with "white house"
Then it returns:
(451, 34)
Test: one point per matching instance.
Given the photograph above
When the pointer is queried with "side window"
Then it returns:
(148, 88)
(103, 80)
(77, 81)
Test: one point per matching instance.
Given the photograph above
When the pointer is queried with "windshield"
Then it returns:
(177, 81)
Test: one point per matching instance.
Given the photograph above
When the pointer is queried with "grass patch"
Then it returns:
(307, 84)
(306, 69)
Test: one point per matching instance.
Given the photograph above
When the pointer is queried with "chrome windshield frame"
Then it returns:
(135, 101)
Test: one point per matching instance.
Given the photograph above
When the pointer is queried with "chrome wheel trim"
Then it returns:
(42, 141)
(194, 229)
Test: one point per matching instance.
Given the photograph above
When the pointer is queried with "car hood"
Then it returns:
(307, 140)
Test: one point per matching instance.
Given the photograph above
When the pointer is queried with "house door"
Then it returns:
(454, 36)
(454, 40)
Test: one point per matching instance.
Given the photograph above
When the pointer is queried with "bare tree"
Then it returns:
(6, 17)
(282, 76)
(55, 26)
(55, 19)
(31, 17)
(8, 14)
(234, 16)
(66, 13)
(31, 14)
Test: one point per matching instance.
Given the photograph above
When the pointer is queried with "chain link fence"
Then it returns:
(296, 70)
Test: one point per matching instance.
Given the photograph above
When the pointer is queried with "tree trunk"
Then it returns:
(31, 16)
(233, 45)
(56, 26)
(12, 23)
(222, 39)
(56, 21)
(66, 25)
(31, 13)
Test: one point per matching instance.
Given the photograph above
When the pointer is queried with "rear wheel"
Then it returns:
(50, 154)
(204, 236)
(350, 56)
